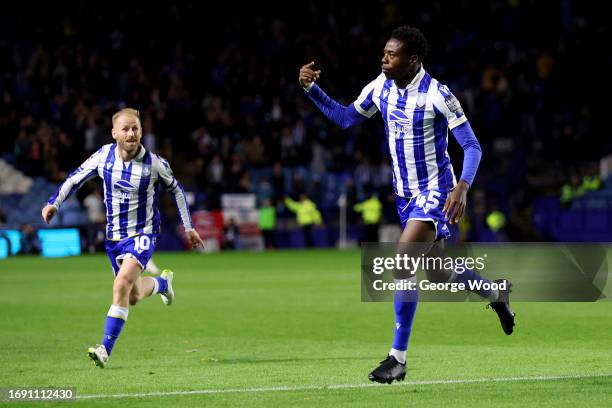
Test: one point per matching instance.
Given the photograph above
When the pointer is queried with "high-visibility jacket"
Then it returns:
(267, 218)
(591, 183)
(370, 209)
(306, 211)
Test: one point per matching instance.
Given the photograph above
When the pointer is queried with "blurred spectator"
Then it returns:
(581, 182)
(572, 190)
(93, 135)
(215, 171)
(30, 244)
(278, 180)
(371, 212)
(254, 152)
(464, 227)
(230, 235)
(267, 222)
(307, 215)
(592, 180)
(149, 140)
(496, 222)
(591, 183)
(96, 214)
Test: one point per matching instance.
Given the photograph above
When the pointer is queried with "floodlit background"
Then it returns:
(219, 98)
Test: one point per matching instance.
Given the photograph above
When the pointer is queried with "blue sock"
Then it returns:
(405, 303)
(469, 275)
(115, 320)
(162, 284)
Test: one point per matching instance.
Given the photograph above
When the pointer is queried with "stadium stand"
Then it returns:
(231, 114)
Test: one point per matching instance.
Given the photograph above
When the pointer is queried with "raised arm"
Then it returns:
(291, 204)
(343, 116)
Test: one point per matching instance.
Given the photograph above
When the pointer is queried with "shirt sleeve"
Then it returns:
(176, 189)
(291, 204)
(364, 104)
(449, 105)
(76, 179)
(343, 116)
(472, 152)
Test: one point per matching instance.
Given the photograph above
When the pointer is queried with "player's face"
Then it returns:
(395, 63)
(127, 132)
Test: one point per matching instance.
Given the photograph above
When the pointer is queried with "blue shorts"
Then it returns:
(138, 247)
(426, 206)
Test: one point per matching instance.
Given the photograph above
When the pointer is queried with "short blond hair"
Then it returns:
(126, 111)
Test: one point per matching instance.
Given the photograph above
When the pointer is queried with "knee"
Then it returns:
(122, 284)
(135, 295)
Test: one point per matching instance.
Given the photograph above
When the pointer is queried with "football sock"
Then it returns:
(115, 319)
(405, 303)
(469, 275)
(400, 355)
(161, 285)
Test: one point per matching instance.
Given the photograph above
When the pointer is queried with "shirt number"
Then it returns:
(429, 202)
(142, 243)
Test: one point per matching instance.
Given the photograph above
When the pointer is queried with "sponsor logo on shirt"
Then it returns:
(124, 185)
(399, 122)
(124, 191)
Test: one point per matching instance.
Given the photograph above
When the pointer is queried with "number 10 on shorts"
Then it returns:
(142, 243)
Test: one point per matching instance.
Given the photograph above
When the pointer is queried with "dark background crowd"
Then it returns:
(217, 89)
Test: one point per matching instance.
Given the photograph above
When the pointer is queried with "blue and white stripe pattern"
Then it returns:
(129, 191)
(417, 120)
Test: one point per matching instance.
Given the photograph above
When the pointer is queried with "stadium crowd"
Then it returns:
(220, 98)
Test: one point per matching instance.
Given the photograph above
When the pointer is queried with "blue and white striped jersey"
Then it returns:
(417, 120)
(130, 190)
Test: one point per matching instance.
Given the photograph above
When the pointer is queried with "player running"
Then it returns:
(417, 111)
(131, 177)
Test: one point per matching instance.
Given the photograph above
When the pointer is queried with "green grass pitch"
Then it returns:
(287, 328)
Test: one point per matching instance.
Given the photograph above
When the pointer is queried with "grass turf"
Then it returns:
(255, 321)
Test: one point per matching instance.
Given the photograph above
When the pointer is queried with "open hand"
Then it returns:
(454, 206)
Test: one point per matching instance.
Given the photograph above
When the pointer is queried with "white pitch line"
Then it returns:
(341, 386)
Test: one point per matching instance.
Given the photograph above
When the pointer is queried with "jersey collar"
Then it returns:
(416, 80)
(140, 154)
